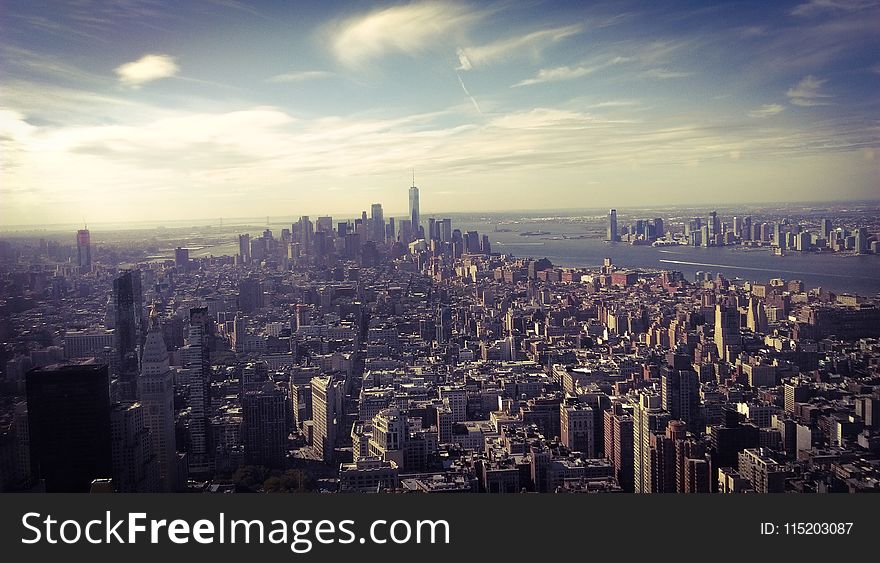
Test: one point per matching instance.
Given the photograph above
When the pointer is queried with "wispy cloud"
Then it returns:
(767, 110)
(562, 73)
(147, 69)
(301, 76)
(815, 7)
(408, 29)
(666, 74)
(468, 94)
(807, 92)
(531, 43)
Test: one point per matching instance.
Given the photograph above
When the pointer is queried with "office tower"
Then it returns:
(728, 439)
(135, 467)
(181, 258)
(747, 228)
(861, 240)
(446, 230)
(778, 236)
(250, 295)
(306, 231)
(128, 303)
(377, 222)
(659, 228)
(576, 428)
(728, 338)
(444, 325)
(737, 227)
(83, 250)
(619, 448)
(756, 318)
(612, 226)
(239, 333)
(680, 395)
(414, 217)
(390, 230)
(648, 418)
(264, 426)
(156, 392)
(433, 229)
(324, 224)
(472, 242)
(405, 231)
(714, 224)
(455, 397)
(826, 229)
(486, 246)
(327, 395)
(196, 363)
(664, 474)
(244, 248)
(68, 410)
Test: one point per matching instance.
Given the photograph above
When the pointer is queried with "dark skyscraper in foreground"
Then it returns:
(128, 299)
(83, 250)
(69, 425)
(613, 234)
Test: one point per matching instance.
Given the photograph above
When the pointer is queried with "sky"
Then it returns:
(128, 110)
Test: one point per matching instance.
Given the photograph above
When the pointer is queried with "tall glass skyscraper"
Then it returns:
(414, 211)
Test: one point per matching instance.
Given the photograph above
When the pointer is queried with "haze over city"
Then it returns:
(148, 110)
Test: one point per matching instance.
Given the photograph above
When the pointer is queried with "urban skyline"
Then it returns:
(230, 110)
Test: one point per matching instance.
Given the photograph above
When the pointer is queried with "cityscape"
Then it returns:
(439, 246)
(402, 354)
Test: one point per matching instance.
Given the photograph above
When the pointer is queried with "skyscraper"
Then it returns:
(613, 235)
(648, 418)
(129, 324)
(156, 392)
(414, 216)
(619, 444)
(377, 223)
(83, 250)
(327, 414)
(264, 426)
(727, 330)
(244, 248)
(68, 410)
(135, 468)
(680, 392)
(196, 361)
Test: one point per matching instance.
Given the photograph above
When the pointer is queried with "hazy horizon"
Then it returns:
(113, 112)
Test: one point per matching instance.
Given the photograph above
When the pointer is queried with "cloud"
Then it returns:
(666, 74)
(146, 69)
(407, 29)
(814, 7)
(301, 76)
(534, 43)
(557, 74)
(806, 93)
(767, 110)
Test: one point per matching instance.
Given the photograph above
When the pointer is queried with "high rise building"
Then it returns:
(196, 362)
(414, 217)
(728, 338)
(576, 429)
(128, 300)
(613, 234)
(83, 250)
(250, 295)
(648, 418)
(680, 394)
(619, 444)
(446, 230)
(377, 222)
(244, 248)
(156, 392)
(68, 410)
(181, 258)
(135, 467)
(327, 395)
(826, 229)
(265, 426)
